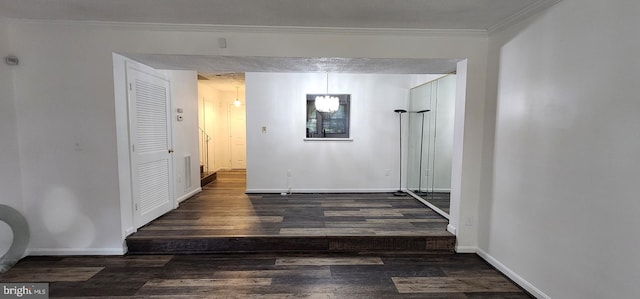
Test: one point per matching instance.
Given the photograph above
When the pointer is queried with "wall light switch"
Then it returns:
(264, 130)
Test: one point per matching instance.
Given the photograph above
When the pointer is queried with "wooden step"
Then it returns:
(283, 244)
(206, 178)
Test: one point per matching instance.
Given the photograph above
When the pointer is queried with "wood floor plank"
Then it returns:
(330, 261)
(494, 283)
(338, 204)
(405, 220)
(48, 274)
(364, 213)
(269, 272)
(172, 283)
(337, 231)
(112, 261)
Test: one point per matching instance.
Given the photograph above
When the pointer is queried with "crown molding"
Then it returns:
(260, 29)
(520, 16)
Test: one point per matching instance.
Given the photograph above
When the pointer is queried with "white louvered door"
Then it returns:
(150, 137)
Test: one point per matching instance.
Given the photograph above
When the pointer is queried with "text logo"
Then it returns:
(24, 290)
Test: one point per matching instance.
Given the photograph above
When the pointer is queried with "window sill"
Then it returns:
(329, 139)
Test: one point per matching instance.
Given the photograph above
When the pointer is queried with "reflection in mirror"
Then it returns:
(430, 143)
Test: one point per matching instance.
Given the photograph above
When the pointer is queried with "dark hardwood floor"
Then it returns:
(223, 218)
(388, 275)
(220, 210)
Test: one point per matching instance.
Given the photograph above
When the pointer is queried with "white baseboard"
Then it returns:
(512, 275)
(321, 190)
(466, 249)
(75, 251)
(188, 195)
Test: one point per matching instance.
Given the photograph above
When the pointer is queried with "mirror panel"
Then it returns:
(430, 143)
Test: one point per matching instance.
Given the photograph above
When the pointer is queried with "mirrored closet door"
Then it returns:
(430, 143)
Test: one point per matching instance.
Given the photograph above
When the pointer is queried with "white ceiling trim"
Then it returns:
(259, 29)
(522, 15)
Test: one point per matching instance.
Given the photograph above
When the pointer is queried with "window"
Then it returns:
(328, 124)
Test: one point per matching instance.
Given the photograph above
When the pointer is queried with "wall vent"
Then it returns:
(187, 172)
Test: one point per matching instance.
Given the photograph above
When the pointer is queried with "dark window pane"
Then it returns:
(328, 124)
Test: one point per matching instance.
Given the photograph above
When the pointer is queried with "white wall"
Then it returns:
(561, 212)
(66, 124)
(10, 174)
(184, 94)
(278, 101)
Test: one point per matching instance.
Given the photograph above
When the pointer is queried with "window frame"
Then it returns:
(323, 118)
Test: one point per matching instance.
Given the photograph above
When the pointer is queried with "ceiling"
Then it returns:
(401, 14)
(226, 72)
(230, 64)
(457, 15)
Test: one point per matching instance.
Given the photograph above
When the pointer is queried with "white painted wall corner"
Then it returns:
(512, 275)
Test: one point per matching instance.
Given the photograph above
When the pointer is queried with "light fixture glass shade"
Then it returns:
(327, 103)
(237, 101)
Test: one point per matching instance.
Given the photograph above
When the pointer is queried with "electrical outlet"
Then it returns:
(264, 130)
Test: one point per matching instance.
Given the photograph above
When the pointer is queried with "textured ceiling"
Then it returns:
(414, 14)
(239, 64)
(226, 72)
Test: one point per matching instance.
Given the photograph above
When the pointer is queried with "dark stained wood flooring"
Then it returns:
(222, 210)
(223, 218)
(274, 276)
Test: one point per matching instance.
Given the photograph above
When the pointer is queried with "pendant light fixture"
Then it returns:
(237, 101)
(326, 102)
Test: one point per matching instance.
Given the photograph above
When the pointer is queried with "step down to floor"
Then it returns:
(328, 244)
(206, 178)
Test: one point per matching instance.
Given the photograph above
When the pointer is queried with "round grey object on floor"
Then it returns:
(20, 228)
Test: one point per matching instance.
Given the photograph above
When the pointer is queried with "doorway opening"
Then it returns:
(222, 124)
